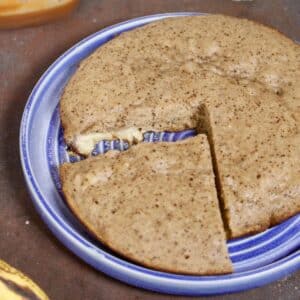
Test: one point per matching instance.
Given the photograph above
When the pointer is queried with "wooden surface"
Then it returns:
(25, 241)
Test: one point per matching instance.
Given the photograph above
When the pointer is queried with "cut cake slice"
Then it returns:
(155, 204)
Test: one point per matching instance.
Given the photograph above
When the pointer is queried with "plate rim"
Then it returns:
(178, 284)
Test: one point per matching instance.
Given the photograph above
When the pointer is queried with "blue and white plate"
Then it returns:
(257, 260)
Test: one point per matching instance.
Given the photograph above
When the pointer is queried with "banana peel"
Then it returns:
(14, 285)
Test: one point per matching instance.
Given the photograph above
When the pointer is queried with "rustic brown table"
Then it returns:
(25, 241)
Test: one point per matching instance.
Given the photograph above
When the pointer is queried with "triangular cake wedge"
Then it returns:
(155, 204)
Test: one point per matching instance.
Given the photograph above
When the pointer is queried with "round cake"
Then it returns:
(232, 79)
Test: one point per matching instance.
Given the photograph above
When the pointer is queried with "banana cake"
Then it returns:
(233, 79)
(155, 204)
(147, 78)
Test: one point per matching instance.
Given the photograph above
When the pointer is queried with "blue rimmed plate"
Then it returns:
(257, 260)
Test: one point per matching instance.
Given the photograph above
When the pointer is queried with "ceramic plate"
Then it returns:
(257, 260)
